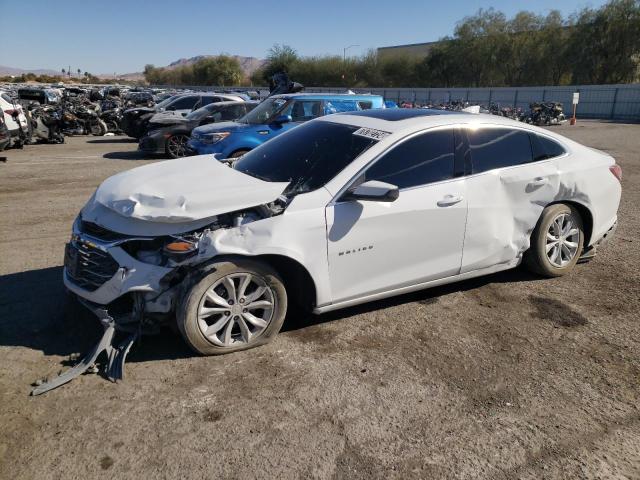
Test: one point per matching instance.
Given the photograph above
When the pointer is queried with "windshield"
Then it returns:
(201, 113)
(307, 156)
(265, 111)
(166, 101)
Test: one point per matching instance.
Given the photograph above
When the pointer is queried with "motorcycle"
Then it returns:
(112, 119)
(546, 113)
(82, 119)
(45, 123)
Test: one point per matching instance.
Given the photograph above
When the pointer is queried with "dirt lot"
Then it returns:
(508, 376)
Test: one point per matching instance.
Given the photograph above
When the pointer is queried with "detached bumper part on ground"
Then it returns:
(116, 355)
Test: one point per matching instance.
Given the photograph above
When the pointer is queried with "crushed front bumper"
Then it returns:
(87, 270)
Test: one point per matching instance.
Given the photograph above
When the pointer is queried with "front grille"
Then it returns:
(96, 231)
(88, 267)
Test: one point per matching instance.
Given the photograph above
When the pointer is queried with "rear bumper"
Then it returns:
(590, 252)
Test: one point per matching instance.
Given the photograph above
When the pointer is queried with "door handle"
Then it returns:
(538, 182)
(449, 200)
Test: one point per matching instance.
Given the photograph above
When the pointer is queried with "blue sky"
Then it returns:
(121, 36)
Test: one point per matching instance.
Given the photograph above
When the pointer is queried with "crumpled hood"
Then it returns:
(175, 194)
(221, 127)
(168, 118)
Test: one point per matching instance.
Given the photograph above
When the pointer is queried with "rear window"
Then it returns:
(544, 147)
(493, 148)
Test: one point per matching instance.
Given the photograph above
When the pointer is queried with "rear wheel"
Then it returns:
(556, 242)
(176, 146)
(240, 305)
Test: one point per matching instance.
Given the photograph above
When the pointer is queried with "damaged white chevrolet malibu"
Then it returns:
(341, 210)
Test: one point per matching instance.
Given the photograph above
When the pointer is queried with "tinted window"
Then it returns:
(424, 159)
(498, 147)
(544, 148)
(184, 103)
(308, 156)
(209, 100)
(232, 112)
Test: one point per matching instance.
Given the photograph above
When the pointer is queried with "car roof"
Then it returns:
(396, 119)
(328, 96)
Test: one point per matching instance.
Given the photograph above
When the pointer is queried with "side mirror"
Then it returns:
(373, 190)
(280, 119)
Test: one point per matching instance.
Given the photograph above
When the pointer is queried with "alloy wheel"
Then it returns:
(236, 309)
(563, 238)
(177, 146)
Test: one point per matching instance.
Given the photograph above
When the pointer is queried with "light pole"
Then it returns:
(344, 52)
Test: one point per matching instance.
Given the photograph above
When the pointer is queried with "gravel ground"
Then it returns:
(507, 376)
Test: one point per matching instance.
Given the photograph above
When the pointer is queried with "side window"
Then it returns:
(184, 103)
(232, 112)
(427, 158)
(337, 106)
(303, 110)
(544, 148)
(365, 104)
(498, 147)
(208, 100)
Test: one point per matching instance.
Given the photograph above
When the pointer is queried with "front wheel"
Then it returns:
(176, 146)
(240, 305)
(556, 242)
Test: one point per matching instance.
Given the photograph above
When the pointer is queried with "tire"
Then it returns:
(176, 146)
(562, 257)
(262, 324)
(98, 128)
(238, 153)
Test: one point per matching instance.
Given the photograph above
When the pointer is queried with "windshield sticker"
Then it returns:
(371, 133)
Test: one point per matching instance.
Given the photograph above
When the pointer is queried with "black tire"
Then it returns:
(238, 153)
(189, 306)
(176, 144)
(98, 128)
(536, 258)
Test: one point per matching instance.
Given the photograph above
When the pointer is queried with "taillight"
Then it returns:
(10, 112)
(617, 171)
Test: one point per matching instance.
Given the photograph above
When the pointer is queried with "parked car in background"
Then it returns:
(135, 120)
(342, 210)
(168, 134)
(272, 117)
(14, 118)
(5, 136)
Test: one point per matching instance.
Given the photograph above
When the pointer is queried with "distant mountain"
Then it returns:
(248, 65)
(19, 71)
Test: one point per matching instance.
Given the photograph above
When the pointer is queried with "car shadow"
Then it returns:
(129, 155)
(297, 319)
(114, 139)
(36, 313)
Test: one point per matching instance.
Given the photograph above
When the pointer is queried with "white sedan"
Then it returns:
(342, 210)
